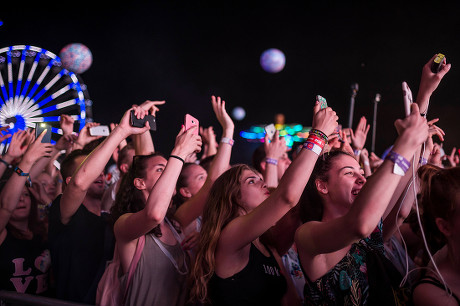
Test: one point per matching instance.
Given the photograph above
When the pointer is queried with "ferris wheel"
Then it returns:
(35, 87)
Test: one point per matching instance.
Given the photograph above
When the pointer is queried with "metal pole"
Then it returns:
(374, 124)
(354, 91)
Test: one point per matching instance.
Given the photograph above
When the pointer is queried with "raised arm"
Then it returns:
(143, 143)
(133, 225)
(11, 192)
(314, 238)
(274, 150)
(18, 146)
(193, 207)
(244, 229)
(429, 82)
(94, 164)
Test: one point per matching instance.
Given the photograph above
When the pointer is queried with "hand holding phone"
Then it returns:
(190, 121)
(322, 101)
(407, 95)
(39, 128)
(140, 123)
(437, 62)
(270, 130)
(100, 130)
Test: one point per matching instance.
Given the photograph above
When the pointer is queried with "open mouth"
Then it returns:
(355, 191)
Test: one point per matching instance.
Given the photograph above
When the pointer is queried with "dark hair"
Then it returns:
(439, 190)
(257, 157)
(68, 166)
(311, 206)
(36, 226)
(129, 199)
(123, 155)
(206, 162)
(93, 144)
(178, 199)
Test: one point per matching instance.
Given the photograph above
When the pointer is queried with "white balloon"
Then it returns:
(238, 113)
(272, 60)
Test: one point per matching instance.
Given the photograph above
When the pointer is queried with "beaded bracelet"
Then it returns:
(227, 141)
(318, 133)
(401, 164)
(272, 161)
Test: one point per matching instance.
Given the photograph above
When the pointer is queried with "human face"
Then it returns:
(97, 188)
(345, 180)
(22, 210)
(196, 176)
(48, 184)
(283, 163)
(253, 190)
(154, 168)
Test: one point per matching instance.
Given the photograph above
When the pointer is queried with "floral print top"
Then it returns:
(346, 283)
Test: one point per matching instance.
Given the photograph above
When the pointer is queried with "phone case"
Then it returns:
(438, 60)
(190, 121)
(141, 122)
(321, 100)
(100, 130)
(270, 130)
(407, 95)
(39, 128)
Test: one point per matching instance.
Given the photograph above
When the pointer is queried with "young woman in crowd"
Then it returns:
(233, 267)
(24, 256)
(342, 246)
(143, 208)
(441, 223)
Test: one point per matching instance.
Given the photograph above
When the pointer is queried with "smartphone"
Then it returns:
(39, 128)
(322, 101)
(407, 95)
(438, 60)
(270, 130)
(338, 129)
(100, 130)
(141, 122)
(190, 121)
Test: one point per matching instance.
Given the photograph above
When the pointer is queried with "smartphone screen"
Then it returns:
(270, 130)
(39, 128)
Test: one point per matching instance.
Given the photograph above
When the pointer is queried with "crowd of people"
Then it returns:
(323, 223)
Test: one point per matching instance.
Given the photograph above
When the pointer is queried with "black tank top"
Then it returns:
(259, 283)
(435, 282)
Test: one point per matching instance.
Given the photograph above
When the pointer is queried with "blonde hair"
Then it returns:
(221, 207)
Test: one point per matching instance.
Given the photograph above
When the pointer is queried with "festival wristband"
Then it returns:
(313, 147)
(357, 152)
(315, 139)
(227, 141)
(318, 133)
(401, 164)
(423, 161)
(272, 161)
(22, 173)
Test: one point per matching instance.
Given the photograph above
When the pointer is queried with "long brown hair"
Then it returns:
(439, 190)
(221, 207)
(310, 203)
(129, 199)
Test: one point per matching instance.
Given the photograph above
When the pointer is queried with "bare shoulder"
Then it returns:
(426, 294)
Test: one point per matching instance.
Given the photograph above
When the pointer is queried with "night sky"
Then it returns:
(184, 53)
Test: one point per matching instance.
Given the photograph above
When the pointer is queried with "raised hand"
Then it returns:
(19, 143)
(453, 157)
(125, 124)
(375, 161)
(325, 119)
(84, 136)
(435, 156)
(187, 143)
(66, 122)
(37, 149)
(151, 106)
(430, 81)
(224, 119)
(413, 129)
(3, 136)
(276, 147)
(358, 137)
